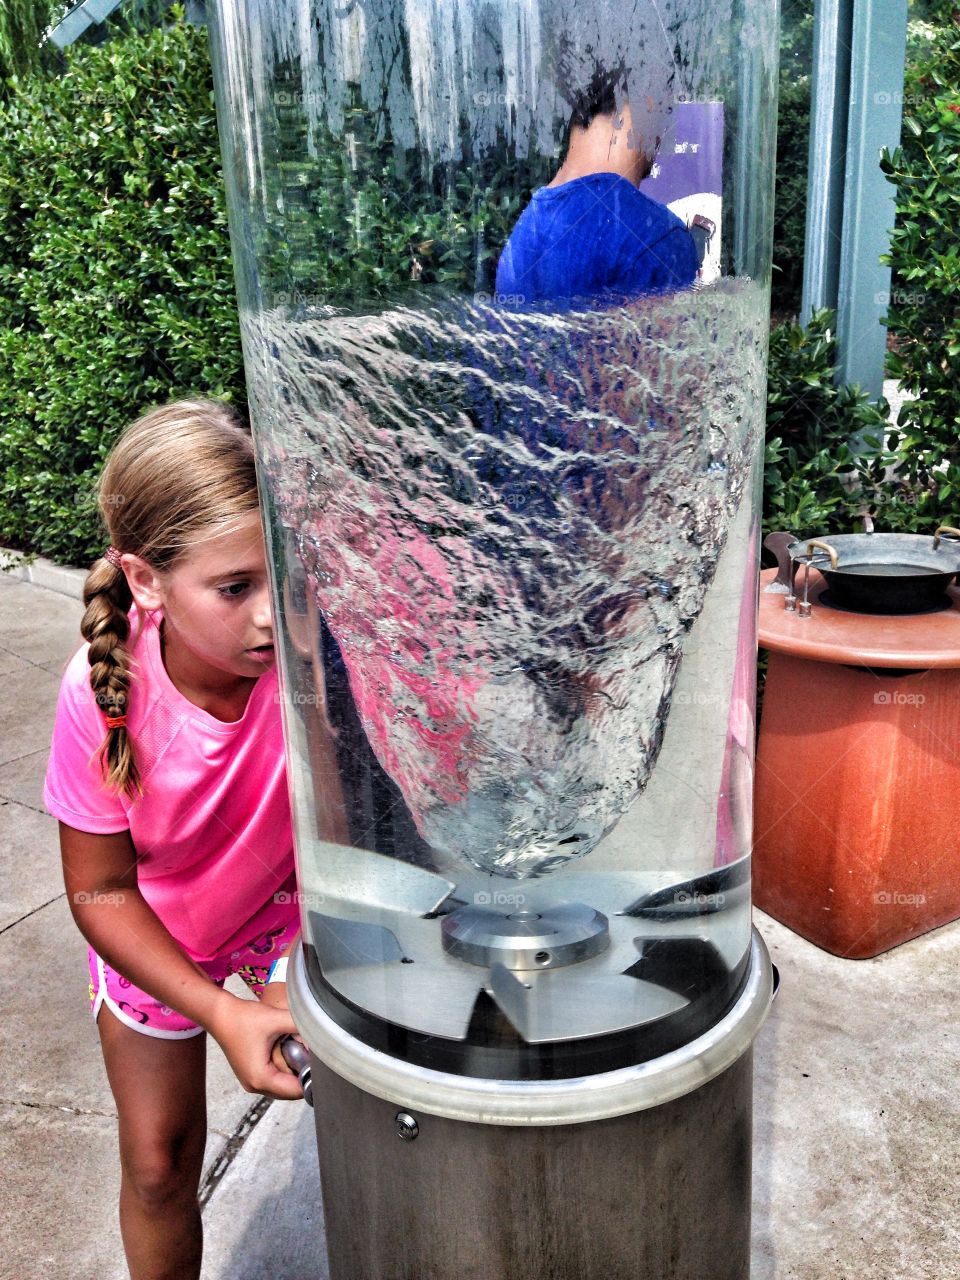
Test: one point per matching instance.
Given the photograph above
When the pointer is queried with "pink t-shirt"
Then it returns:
(213, 829)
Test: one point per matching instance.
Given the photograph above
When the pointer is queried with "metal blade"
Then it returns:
(571, 1004)
(367, 965)
(717, 890)
(351, 883)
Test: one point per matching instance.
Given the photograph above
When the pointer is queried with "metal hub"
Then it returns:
(525, 940)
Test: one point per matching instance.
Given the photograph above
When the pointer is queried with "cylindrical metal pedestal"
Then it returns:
(430, 1176)
(662, 1194)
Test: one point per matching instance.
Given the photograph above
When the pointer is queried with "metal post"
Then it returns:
(829, 108)
(876, 100)
(79, 19)
(858, 57)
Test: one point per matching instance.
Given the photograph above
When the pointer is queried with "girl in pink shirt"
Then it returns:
(167, 776)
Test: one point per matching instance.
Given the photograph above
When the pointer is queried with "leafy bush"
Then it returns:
(116, 288)
(815, 479)
(924, 314)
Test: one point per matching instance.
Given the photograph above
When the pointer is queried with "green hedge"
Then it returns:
(360, 231)
(116, 290)
(814, 482)
(924, 315)
(909, 479)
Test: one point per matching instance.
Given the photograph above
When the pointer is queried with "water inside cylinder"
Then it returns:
(509, 524)
(514, 539)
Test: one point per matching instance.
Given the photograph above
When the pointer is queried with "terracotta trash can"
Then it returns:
(857, 824)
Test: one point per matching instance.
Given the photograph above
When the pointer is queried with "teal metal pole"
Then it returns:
(878, 51)
(829, 109)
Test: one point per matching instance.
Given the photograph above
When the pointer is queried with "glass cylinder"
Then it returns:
(503, 272)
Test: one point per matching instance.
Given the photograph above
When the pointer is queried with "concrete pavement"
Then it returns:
(857, 1148)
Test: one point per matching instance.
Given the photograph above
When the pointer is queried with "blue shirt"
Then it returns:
(594, 237)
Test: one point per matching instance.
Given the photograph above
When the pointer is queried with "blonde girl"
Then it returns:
(167, 777)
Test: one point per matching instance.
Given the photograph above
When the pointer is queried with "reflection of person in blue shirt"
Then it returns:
(589, 238)
(590, 232)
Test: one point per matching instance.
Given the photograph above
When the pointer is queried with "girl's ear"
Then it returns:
(146, 585)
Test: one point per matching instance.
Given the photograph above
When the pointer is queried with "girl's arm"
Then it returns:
(100, 873)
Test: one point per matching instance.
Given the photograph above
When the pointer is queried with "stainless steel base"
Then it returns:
(641, 1173)
(662, 1194)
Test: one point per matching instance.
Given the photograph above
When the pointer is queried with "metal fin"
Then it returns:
(365, 963)
(579, 1005)
(358, 882)
(702, 895)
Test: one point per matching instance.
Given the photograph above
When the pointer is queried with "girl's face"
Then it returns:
(216, 607)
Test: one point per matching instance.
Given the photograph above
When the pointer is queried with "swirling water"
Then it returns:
(509, 522)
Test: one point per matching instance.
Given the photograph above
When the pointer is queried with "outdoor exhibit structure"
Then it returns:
(513, 537)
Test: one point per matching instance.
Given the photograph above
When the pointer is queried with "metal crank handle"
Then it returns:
(778, 544)
(298, 1059)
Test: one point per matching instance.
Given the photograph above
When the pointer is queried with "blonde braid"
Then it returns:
(107, 627)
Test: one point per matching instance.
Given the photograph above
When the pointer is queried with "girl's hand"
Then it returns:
(275, 995)
(247, 1032)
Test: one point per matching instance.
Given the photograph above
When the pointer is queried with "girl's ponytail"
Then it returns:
(107, 627)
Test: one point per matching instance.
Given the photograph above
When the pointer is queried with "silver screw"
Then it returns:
(407, 1127)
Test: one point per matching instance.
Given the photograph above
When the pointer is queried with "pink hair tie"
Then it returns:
(112, 556)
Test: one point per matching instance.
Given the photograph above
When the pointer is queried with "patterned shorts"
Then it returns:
(141, 1012)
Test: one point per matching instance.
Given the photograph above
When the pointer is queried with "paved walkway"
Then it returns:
(857, 1150)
